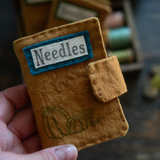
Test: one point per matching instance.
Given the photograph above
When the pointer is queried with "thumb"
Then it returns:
(65, 152)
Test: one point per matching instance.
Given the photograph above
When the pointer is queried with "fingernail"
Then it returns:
(66, 152)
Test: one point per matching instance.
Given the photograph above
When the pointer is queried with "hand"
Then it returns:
(19, 139)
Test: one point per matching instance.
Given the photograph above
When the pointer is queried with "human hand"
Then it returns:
(19, 139)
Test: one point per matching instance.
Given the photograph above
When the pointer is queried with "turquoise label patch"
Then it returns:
(59, 52)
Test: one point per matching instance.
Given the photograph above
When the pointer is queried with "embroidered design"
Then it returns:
(30, 2)
(72, 12)
(58, 52)
(69, 125)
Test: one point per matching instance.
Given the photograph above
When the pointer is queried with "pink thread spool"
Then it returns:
(114, 20)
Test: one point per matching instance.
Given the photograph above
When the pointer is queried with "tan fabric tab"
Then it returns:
(106, 79)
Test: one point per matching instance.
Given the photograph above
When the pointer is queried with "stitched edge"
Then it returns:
(94, 87)
(119, 134)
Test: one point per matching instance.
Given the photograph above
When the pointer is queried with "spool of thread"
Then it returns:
(119, 38)
(150, 92)
(155, 69)
(152, 89)
(155, 81)
(123, 56)
(114, 20)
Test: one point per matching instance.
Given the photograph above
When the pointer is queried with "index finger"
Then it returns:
(11, 100)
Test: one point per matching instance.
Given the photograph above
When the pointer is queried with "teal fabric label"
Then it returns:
(59, 52)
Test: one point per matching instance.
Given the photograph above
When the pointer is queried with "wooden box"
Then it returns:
(125, 6)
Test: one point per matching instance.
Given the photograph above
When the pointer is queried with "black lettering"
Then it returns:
(39, 57)
(54, 54)
(47, 54)
(74, 48)
(68, 49)
(62, 52)
(82, 48)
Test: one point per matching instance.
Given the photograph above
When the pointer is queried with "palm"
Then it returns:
(17, 131)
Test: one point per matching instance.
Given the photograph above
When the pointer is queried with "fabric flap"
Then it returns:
(106, 79)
